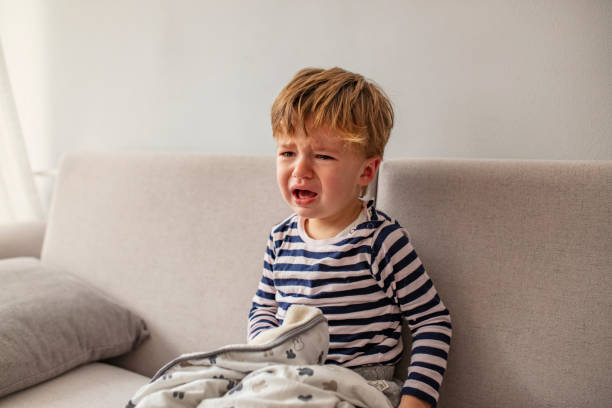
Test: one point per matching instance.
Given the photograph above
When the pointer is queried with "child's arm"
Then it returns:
(400, 273)
(263, 311)
(408, 401)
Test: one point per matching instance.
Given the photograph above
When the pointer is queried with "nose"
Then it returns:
(302, 168)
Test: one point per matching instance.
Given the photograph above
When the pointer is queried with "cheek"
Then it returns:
(335, 182)
(282, 176)
(341, 182)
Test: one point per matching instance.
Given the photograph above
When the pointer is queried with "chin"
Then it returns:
(302, 212)
(305, 212)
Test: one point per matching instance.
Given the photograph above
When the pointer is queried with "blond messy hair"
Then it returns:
(346, 102)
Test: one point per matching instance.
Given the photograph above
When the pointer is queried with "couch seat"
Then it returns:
(92, 385)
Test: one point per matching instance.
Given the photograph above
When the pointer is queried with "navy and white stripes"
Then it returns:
(365, 283)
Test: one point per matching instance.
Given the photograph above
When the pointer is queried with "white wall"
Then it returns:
(475, 78)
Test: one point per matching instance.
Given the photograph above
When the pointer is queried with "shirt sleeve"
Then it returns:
(401, 275)
(262, 315)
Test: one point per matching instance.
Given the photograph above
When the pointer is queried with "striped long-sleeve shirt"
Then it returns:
(366, 282)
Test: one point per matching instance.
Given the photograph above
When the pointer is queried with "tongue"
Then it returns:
(306, 194)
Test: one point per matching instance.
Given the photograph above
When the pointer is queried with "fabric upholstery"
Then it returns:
(521, 254)
(95, 385)
(19, 239)
(51, 322)
(177, 238)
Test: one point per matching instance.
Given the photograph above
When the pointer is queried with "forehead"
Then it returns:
(319, 137)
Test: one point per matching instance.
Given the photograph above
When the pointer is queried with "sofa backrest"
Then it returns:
(177, 238)
(521, 254)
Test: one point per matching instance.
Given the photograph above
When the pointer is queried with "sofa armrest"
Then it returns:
(21, 239)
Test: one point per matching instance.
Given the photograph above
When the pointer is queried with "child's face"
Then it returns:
(319, 176)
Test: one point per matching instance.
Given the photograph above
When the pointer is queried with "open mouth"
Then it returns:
(303, 194)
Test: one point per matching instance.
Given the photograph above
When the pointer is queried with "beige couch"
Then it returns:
(520, 251)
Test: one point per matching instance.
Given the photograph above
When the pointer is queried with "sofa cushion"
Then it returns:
(95, 385)
(521, 254)
(50, 322)
(178, 238)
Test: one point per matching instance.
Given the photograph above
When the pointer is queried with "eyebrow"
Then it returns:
(322, 147)
(331, 149)
(285, 145)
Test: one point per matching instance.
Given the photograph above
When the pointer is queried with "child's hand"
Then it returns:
(408, 401)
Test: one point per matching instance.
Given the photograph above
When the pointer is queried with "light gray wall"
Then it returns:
(475, 78)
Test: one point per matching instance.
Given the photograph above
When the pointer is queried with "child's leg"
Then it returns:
(381, 377)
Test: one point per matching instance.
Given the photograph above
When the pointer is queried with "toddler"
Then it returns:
(339, 253)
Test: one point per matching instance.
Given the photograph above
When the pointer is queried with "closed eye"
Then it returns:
(324, 157)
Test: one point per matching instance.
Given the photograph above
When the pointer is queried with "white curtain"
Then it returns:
(19, 198)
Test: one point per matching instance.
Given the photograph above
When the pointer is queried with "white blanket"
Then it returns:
(284, 368)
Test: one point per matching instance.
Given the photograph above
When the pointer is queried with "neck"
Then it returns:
(322, 228)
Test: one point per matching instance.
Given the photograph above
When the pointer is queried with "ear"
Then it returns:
(368, 173)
